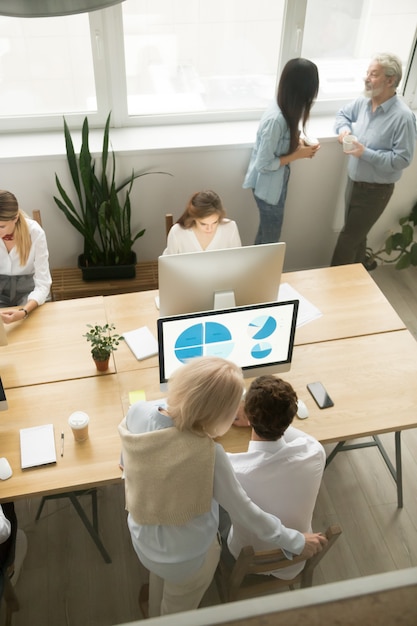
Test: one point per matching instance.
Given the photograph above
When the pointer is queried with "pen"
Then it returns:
(62, 443)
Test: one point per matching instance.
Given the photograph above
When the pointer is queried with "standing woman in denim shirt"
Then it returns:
(278, 143)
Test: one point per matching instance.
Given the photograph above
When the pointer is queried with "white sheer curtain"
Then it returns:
(50, 8)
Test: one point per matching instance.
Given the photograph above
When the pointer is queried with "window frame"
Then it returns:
(107, 44)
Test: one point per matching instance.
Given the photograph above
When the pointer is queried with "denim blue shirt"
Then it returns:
(265, 173)
(388, 134)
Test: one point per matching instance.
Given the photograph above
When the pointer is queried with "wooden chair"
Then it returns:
(36, 214)
(247, 577)
(169, 220)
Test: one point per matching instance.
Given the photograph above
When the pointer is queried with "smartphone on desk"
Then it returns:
(320, 395)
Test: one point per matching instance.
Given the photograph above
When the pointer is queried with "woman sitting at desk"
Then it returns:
(25, 280)
(203, 226)
(176, 477)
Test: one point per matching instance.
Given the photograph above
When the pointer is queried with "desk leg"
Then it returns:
(92, 529)
(398, 462)
(396, 472)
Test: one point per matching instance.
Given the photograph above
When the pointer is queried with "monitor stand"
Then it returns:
(224, 300)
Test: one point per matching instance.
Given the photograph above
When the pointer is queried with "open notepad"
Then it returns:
(37, 446)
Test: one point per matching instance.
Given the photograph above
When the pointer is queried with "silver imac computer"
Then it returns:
(219, 279)
(259, 338)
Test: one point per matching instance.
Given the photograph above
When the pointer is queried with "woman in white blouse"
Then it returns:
(25, 279)
(203, 226)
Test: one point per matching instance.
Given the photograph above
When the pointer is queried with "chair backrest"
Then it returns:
(169, 220)
(247, 577)
(36, 214)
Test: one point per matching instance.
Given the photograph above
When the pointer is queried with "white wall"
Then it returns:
(308, 226)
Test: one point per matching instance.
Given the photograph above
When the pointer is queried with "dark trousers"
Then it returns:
(365, 203)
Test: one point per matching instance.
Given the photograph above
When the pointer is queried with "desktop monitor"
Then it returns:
(219, 279)
(259, 338)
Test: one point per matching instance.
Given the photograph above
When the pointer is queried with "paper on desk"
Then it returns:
(307, 312)
(37, 446)
(142, 342)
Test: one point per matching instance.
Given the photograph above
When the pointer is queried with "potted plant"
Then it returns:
(401, 244)
(101, 211)
(103, 343)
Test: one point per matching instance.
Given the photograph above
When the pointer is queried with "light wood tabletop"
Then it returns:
(84, 465)
(356, 369)
(371, 380)
(49, 345)
(350, 302)
(355, 372)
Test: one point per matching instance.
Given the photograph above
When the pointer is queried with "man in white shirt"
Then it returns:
(282, 470)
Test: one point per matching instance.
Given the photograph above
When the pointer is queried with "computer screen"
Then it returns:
(219, 279)
(259, 338)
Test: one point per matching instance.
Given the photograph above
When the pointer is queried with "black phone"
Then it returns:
(320, 395)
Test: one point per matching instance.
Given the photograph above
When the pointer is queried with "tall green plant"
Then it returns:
(98, 214)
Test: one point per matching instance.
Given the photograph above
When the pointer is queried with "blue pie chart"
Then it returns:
(261, 350)
(204, 339)
(262, 327)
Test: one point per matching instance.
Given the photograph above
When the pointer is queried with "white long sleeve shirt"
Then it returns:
(4, 526)
(184, 240)
(37, 264)
(283, 477)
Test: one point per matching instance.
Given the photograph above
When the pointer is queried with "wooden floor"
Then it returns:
(64, 580)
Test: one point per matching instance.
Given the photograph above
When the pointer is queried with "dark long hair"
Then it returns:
(297, 90)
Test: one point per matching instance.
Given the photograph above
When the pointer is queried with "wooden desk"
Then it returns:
(350, 301)
(371, 380)
(84, 465)
(129, 311)
(50, 346)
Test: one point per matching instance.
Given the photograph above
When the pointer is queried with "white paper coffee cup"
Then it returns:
(79, 425)
(348, 143)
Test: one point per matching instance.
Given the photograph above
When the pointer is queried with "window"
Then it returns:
(157, 61)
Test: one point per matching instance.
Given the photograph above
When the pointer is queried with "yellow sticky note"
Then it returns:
(136, 396)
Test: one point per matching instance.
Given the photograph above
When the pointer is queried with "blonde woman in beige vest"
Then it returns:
(175, 478)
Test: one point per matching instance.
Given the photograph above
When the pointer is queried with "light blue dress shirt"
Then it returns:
(388, 134)
(265, 173)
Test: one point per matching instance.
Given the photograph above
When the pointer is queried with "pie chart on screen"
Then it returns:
(262, 327)
(205, 339)
(261, 350)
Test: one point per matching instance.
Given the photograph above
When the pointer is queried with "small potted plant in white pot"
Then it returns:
(103, 342)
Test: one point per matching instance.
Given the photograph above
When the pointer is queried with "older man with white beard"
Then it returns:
(385, 129)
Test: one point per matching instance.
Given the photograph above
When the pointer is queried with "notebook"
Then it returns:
(142, 342)
(37, 446)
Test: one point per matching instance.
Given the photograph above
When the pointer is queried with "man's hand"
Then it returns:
(314, 543)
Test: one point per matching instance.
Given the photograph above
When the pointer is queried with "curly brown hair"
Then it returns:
(270, 406)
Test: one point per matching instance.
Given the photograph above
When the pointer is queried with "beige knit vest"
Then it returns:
(168, 475)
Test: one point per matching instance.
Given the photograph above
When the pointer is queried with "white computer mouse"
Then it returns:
(5, 469)
(302, 411)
